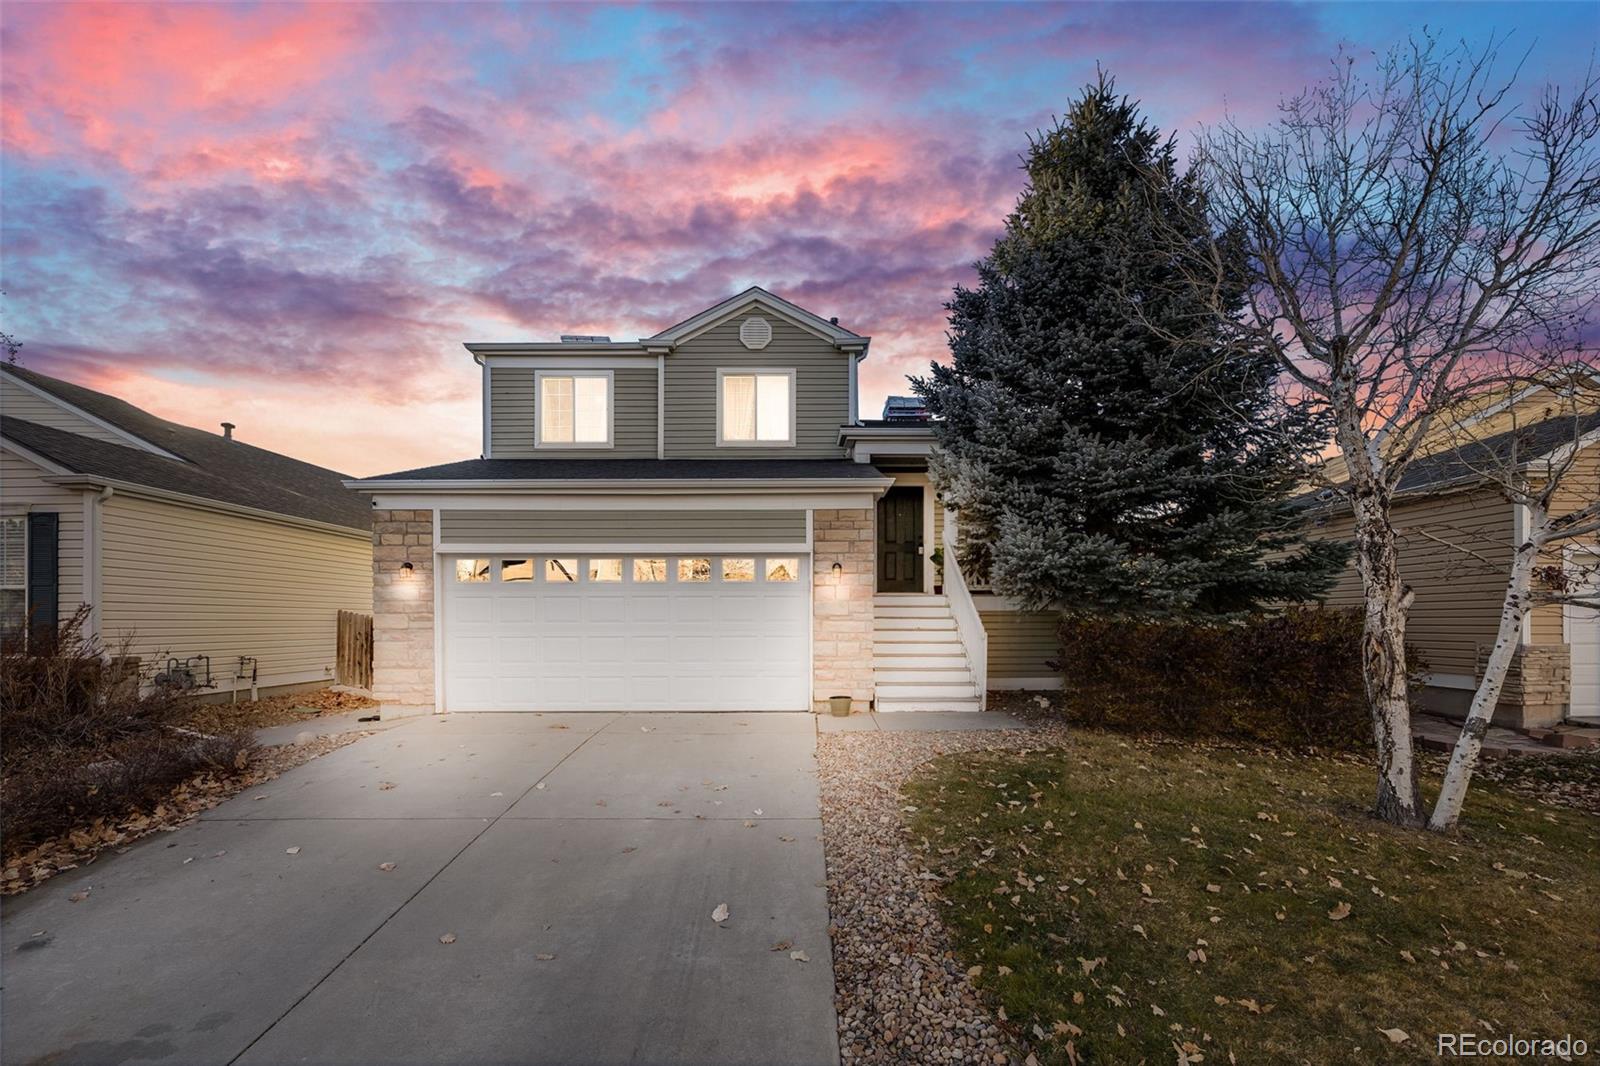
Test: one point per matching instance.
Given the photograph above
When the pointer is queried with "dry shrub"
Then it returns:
(1291, 679)
(84, 738)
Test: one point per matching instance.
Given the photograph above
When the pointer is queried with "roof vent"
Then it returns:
(755, 332)
(584, 338)
(227, 431)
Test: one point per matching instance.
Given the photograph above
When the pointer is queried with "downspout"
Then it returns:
(92, 576)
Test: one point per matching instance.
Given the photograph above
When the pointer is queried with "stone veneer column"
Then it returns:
(402, 612)
(841, 615)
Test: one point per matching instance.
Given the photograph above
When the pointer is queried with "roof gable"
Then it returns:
(752, 300)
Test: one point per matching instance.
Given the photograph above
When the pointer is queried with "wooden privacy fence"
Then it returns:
(355, 649)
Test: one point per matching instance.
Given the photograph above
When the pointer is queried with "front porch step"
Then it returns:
(917, 645)
(910, 690)
(891, 598)
(890, 706)
(917, 610)
(946, 657)
(891, 625)
(947, 672)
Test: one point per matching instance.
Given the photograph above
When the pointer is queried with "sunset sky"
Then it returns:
(291, 217)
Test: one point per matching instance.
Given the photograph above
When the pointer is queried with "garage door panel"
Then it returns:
(626, 645)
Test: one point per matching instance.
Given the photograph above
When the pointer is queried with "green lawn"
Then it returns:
(1122, 900)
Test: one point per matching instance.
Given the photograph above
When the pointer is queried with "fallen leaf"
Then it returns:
(974, 971)
(1396, 1036)
(384, 786)
(758, 812)
(720, 914)
(544, 956)
(492, 795)
(448, 938)
(782, 945)
(292, 851)
(386, 866)
(799, 956)
(78, 896)
(540, 786)
(1339, 913)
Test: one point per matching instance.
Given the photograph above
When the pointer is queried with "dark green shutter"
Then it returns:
(44, 594)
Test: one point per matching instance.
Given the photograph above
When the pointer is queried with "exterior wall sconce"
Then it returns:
(406, 570)
(838, 568)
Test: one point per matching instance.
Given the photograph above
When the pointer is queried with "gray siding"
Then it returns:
(1021, 643)
(822, 391)
(617, 527)
(511, 416)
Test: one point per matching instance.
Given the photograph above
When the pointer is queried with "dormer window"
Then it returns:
(574, 409)
(755, 408)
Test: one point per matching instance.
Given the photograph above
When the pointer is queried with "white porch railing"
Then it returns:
(968, 622)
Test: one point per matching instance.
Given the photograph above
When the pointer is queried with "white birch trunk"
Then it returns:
(1388, 603)
(1513, 616)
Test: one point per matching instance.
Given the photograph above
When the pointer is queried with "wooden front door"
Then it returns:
(900, 540)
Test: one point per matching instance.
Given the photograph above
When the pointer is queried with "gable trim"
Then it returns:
(118, 431)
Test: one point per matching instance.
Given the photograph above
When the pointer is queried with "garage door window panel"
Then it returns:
(782, 569)
(694, 571)
(605, 570)
(516, 570)
(473, 571)
(649, 571)
(738, 570)
(561, 570)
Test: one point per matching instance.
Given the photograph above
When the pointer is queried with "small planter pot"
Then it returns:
(840, 706)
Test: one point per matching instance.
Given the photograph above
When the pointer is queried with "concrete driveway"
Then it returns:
(576, 860)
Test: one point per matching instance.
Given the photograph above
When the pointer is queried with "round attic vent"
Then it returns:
(755, 332)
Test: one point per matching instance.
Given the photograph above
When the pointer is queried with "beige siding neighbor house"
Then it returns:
(695, 520)
(1457, 536)
(217, 563)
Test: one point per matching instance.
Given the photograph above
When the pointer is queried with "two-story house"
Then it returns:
(694, 520)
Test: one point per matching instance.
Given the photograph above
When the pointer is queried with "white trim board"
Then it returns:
(620, 501)
(574, 360)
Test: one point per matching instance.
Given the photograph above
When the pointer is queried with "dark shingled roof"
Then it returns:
(227, 471)
(634, 469)
(1467, 464)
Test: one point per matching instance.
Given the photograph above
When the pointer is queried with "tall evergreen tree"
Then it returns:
(1097, 465)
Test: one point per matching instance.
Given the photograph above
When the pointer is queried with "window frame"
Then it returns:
(724, 372)
(22, 520)
(539, 378)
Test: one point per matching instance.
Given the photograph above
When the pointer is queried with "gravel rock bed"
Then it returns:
(900, 993)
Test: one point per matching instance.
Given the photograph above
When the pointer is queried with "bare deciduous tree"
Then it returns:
(1417, 239)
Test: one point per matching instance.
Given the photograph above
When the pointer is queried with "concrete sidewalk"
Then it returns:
(572, 861)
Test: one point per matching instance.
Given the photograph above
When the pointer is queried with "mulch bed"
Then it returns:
(273, 710)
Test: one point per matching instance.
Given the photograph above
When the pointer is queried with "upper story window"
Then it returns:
(574, 409)
(755, 408)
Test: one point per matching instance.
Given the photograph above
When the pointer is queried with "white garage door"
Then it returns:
(626, 633)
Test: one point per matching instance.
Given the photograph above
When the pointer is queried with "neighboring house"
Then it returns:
(691, 521)
(1457, 536)
(185, 545)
